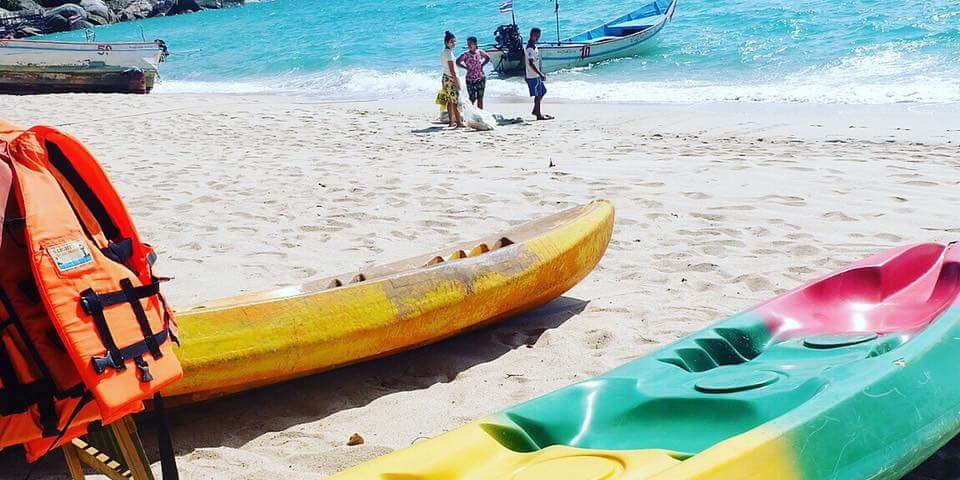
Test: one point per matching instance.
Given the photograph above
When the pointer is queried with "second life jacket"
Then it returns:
(5, 183)
(82, 314)
(39, 386)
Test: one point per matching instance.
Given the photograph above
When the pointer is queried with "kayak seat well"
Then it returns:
(717, 393)
(619, 414)
(902, 291)
(458, 254)
(739, 340)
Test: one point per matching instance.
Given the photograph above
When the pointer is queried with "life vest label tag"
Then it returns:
(70, 255)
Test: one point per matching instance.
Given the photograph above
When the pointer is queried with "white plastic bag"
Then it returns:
(475, 118)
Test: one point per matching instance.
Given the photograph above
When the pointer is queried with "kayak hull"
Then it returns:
(254, 340)
(849, 377)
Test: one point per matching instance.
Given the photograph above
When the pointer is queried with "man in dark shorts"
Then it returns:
(473, 60)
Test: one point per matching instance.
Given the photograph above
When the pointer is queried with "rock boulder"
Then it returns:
(63, 18)
(98, 13)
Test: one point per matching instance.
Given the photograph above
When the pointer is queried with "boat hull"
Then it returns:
(258, 339)
(852, 376)
(28, 80)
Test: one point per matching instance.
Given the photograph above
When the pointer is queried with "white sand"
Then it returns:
(719, 207)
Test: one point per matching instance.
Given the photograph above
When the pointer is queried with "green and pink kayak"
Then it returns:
(854, 376)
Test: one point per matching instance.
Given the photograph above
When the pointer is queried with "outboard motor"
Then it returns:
(509, 40)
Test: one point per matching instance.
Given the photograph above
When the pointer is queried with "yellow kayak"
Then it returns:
(258, 339)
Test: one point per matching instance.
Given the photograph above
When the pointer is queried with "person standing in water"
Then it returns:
(450, 88)
(473, 61)
(534, 74)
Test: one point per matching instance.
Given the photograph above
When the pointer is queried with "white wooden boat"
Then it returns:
(33, 66)
(625, 36)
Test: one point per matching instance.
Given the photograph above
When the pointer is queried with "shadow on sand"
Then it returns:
(429, 129)
(236, 420)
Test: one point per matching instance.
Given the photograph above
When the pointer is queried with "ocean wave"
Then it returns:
(842, 83)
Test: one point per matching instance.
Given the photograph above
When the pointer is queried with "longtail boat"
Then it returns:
(34, 66)
(849, 377)
(624, 36)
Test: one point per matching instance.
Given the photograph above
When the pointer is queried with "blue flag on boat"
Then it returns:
(506, 7)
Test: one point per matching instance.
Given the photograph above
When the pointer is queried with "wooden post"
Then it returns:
(125, 431)
(121, 440)
(74, 465)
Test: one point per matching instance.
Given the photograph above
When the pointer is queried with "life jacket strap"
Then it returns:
(17, 397)
(116, 359)
(94, 303)
(99, 211)
(119, 252)
(131, 293)
(14, 320)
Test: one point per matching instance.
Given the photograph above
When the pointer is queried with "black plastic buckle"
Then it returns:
(90, 302)
(144, 368)
(113, 359)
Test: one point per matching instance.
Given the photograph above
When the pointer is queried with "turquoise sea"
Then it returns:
(839, 51)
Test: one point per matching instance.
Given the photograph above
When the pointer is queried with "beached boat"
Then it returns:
(852, 376)
(258, 339)
(33, 66)
(623, 37)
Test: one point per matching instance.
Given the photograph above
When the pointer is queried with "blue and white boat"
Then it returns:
(625, 36)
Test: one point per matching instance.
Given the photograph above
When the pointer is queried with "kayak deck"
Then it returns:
(851, 376)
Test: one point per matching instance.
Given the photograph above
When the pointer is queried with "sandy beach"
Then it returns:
(719, 206)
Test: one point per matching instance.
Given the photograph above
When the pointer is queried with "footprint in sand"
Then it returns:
(734, 207)
(804, 250)
(405, 236)
(839, 217)
(788, 200)
(921, 183)
(703, 267)
(519, 338)
(754, 282)
(889, 237)
(712, 217)
(598, 339)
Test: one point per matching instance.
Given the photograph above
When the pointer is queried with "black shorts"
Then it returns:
(475, 89)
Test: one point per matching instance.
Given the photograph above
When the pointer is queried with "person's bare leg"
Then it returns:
(536, 107)
(451, 114)
(458, 117)
(480, 103)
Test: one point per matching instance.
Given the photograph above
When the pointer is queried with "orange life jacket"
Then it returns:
(83, 315)
(39, 386)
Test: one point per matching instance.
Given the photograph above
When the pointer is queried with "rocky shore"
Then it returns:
(24, 18)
